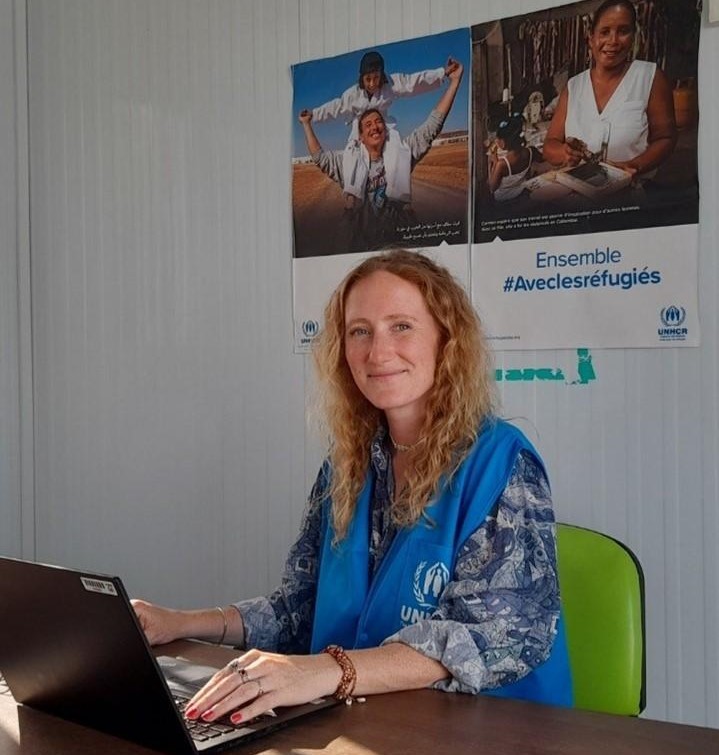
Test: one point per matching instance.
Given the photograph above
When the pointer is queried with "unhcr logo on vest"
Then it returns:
(672, 318)
(427, 585)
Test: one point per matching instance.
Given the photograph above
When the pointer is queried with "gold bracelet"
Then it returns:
(224, 625)
(346, 687)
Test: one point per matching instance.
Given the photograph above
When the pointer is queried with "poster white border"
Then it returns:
(618, 289)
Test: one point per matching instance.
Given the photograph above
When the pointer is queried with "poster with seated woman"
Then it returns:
(586, 119)
(586, 195)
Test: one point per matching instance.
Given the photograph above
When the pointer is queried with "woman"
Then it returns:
(619, 108)
(427, 548)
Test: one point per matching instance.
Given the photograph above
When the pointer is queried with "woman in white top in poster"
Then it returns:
(619, 108)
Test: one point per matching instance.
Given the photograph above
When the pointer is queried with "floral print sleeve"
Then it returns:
(282, 621)
(497, 619)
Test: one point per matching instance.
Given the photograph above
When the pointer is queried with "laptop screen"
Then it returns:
(71, 645)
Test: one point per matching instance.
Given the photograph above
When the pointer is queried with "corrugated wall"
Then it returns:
(9, 323)
(169, 432)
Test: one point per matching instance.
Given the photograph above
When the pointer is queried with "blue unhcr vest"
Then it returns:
(356, 612)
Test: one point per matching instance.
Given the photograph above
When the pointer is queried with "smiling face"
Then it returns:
(391, 344)
(612, 38)
(372, 131)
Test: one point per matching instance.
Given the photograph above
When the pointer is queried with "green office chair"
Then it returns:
(602, 587)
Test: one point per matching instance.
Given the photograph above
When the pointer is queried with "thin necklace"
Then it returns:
(401, 447)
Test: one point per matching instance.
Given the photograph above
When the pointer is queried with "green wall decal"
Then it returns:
(585, 372)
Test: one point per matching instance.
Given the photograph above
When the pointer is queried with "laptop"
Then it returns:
(71, 645)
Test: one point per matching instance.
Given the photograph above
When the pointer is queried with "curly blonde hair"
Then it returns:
(462, 396)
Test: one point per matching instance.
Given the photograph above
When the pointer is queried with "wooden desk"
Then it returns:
(406, 723)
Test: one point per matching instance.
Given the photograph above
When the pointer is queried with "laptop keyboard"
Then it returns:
(201, 731)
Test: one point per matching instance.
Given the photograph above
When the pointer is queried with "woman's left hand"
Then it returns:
(256, 682)
(625, 166)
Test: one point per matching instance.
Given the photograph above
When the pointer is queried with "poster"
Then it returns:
(345, 207)
(573, 215)
(585, 181)
(418, 197)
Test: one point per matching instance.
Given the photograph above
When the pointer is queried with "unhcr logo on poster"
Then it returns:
(672, 318)
(310, 328)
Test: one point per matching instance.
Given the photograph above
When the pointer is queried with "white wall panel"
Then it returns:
(706, 441)
(16, 500)
(9, 349)
(163, 297)
(171, 443)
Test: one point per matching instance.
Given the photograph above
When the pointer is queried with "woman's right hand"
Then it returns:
(574, 151)
(160, 625)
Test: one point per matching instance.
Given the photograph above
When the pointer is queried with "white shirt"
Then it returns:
(623, 122)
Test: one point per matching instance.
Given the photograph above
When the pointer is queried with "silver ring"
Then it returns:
(234, 665)
(243, 676)
(260, 691)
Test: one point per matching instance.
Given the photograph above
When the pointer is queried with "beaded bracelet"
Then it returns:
(346, 687)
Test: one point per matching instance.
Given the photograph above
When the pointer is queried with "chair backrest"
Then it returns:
(602, 587)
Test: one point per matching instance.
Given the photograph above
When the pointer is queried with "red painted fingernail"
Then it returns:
(208, 715)
(236, 718)
(191, 712)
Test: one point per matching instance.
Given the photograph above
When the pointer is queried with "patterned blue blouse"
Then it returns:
(495, 620)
